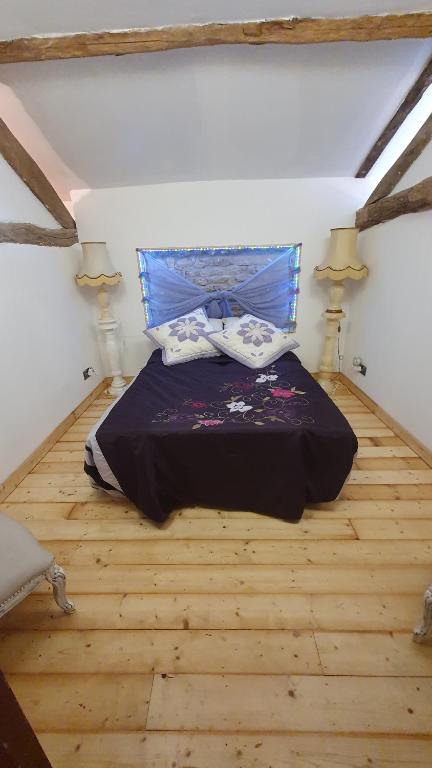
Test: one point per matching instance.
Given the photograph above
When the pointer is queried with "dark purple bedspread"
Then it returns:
(214, 433)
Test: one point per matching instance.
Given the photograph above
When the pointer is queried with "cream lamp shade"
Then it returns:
(96, 268)
(342, 260)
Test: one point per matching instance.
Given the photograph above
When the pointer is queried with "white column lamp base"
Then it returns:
(109, 325)
(333, 315)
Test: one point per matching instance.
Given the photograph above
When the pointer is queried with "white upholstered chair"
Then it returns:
(23, 565)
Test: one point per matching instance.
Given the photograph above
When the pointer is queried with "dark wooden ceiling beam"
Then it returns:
(403, 163)
(283, 31)
(30, 234)
(412, 98)
(30, 173)
(411, 200)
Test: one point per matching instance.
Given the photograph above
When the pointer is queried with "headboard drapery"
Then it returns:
(269, 290)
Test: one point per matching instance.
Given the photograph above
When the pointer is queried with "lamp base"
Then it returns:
(333, 315)
(117, 387)
(327, 381)
(109, 325)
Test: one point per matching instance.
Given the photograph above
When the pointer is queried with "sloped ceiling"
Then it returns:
(232, 112)
(27, 17)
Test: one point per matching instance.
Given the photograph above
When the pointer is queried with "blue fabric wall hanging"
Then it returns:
(270, 293)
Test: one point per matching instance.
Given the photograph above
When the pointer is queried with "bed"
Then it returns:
(212, 432)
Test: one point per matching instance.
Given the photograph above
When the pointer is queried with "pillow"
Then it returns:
(215, 323)
(185, 338)
(253, 342)
(229, 321)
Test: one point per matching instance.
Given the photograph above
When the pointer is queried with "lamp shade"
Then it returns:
(96, 268)
(342, 260)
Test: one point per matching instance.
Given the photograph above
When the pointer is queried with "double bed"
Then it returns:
(212, 432)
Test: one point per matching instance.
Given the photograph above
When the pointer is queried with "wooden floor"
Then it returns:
(228, 640)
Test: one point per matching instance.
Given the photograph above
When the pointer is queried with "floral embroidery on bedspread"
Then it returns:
(260, 399)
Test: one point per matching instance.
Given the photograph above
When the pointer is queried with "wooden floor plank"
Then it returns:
(253, 579)
(352, 408)
(388, 477)
(340, 704)
(361, 432)
(360, 420)
(43, 495)
(65, 467)
(70, 439)
(367, 653)
(118, 510)
(101, 408)
(114, 509)
(62, 481)
(347, 397)
(355, 613)
(49, 511)
(260, 529)
(393, 529)
(69, 445)
(366, 613)
(83, 702)
(381, 451)
(60, 455)
(242, 552)
(130, 530)
(77, 477)
(373, 464)
(125, 611)
(390, 440)
(379, 492)
(357, 508)
(163, 651)
(226, 750)
(85, 419)
(77, 430)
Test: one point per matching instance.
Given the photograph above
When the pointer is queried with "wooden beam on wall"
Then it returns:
(413, 96)
(405, 161)
(30, 234)
(411, 200)
(293, 31)
(30, 173)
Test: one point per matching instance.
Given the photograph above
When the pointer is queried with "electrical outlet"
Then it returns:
(87, 372)
(359, 365)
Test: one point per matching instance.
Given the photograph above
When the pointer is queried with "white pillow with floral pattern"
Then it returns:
(253, 342)
(185, 338)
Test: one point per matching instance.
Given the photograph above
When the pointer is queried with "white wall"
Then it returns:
(218, 213)
(47, 331)
(420, 169)
(391, 315)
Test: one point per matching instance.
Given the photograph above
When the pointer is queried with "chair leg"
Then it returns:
(423, 633)
(56, 576)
